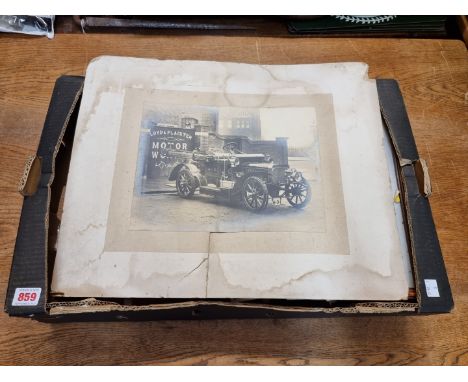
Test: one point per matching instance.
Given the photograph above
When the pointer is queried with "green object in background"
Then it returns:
(410, 26)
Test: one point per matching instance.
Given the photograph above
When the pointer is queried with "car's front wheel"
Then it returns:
(185, 183)
(298, 193)
(254, 194)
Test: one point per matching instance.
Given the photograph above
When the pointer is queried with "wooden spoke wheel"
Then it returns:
(185, 183)
(298, 193)
(254, 194)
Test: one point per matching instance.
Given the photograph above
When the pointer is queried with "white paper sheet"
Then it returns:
(352, 252)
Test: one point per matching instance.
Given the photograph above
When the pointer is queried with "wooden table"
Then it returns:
(433, 75)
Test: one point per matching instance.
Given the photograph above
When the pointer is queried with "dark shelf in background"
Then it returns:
(273, 26)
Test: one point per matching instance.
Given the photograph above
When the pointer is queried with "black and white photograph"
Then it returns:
(228, 169)
(193, 164)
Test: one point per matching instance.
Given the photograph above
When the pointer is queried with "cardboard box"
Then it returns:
(43, 186)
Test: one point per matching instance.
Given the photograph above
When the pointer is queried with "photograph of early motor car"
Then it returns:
(250, 177)
(228, 169)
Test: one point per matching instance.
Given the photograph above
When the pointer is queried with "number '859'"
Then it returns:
(27, 296)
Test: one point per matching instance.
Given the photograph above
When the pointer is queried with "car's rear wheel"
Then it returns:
(185, 183)
(254, 194)
(298, 193)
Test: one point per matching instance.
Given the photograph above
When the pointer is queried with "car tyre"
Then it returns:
(185, 183)
(254, 194)
(298, 193)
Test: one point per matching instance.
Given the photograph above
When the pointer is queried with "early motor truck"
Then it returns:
(252, 172)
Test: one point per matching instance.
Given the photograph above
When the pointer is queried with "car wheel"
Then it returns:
(185, 183)
(254, 194)
(298, 193)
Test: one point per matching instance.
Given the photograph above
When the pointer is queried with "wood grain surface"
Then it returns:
(433, 76)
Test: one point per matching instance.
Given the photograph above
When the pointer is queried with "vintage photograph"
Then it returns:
(228, 169)
(192, 166)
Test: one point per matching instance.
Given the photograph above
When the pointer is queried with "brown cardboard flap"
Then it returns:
(92, 305)
(423, 178)
(29, 181)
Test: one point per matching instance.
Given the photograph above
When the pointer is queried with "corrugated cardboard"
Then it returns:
(45, 177)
